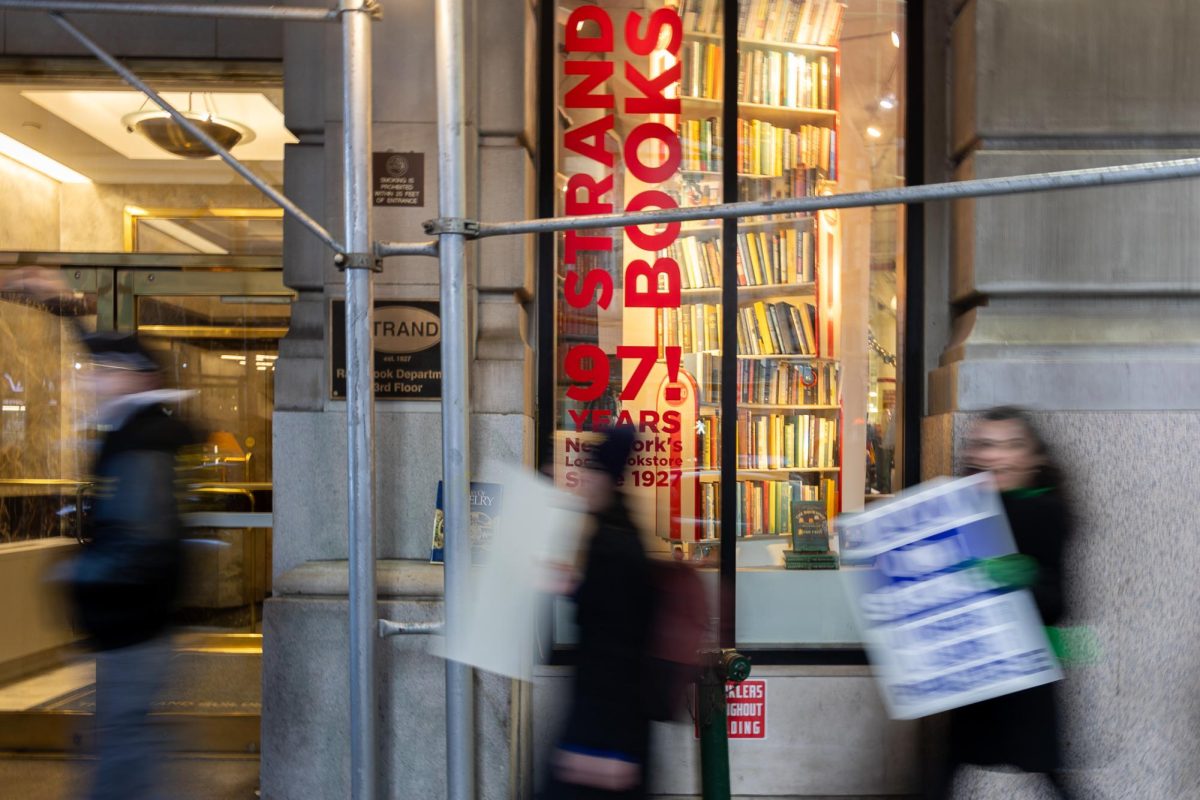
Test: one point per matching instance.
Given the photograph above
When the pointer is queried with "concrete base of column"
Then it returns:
(306, 716)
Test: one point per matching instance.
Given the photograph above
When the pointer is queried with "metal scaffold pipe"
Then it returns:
(386, 249)
(957, 190)
(456, 444)
(288, 13)
(360, 396)
(133, 80)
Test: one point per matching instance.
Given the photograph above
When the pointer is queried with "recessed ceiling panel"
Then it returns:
(100, 114)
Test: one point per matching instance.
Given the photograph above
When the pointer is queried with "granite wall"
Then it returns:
(1082, 306)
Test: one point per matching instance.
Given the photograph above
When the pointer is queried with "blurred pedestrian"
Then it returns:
(125, 583)
(1022, 729)
(604, 748)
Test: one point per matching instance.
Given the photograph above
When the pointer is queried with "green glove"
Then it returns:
(1074, 646)
(1013, 570)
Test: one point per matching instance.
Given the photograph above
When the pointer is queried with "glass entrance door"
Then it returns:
(217, 335)
(216, 329)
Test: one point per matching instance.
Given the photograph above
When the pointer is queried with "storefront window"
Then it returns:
(645, 106)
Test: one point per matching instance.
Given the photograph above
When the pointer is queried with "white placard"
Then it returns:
(940, 633)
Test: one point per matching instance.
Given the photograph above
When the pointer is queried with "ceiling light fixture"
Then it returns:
(874, 132)
(887, 102)
(895, 39)
(163, 130)
(24, 154)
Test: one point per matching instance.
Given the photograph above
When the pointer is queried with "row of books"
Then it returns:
(700, 72)
(764, 150)
(777, 329)
(787, 80)
(783, 257)
(791, 21)
(695, 328)
(700, 142)
(699, 261)
(800, 183)
(788, 21)
(708, 442)
(765, 507)
(771, 441)
(767, 382)
(764, 328)
(786, 441)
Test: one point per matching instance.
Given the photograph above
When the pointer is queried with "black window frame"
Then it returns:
(913, 333)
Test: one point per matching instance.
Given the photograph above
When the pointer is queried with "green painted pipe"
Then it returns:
(720, 666)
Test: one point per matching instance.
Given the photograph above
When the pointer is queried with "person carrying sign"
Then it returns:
(604, 748)
(1020, 729)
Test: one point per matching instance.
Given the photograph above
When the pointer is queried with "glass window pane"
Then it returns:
(43, 420)
(638, 335)
(819, 110)
(818, 296)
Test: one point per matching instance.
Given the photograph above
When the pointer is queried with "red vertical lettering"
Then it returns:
(662, 20)
(652, 131)
(595, 74)
(652, 101)
(577, 27)
(653, 296)
(652, 241)
(588, 140)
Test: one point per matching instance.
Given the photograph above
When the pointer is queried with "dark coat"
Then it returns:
(608, 715)
(125, 584)
(1022, 729)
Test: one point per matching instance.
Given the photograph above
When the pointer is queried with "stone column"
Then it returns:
(1085, 307)
(305, 663)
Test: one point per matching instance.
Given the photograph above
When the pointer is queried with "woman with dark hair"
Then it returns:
(1020, 729)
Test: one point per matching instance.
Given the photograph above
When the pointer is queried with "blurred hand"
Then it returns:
(557, 578)
(1074, 646)
(38, 283)
(1013, 570)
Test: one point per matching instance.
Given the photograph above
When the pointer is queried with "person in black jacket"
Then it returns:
(1022, 729)
(124, 585)
(604, 747)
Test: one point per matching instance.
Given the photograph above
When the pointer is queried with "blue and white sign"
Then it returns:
(940, 633)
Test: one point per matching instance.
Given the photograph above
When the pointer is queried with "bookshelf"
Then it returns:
(789, 415)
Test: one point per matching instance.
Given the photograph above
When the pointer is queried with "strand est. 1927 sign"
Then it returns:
(407, 336)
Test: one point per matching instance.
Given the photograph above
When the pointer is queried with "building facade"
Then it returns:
(1077, 305)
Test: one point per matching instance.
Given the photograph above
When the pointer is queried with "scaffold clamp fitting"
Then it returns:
(345, 261)
(372, 7)
(467, 227)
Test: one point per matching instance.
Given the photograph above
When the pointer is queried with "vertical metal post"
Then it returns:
(360, 397)
(456, 450)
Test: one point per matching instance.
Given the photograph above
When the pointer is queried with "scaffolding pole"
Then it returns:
(359, 263)
(456, 395)
(1148, 172)
(287, 13)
